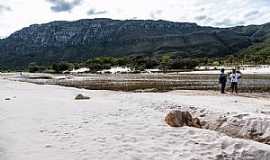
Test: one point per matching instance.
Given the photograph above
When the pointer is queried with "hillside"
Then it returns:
(88, 38)
(258, 53)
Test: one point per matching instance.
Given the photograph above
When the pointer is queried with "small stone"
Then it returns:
(48, 146)
(202, 115)
(81, 97)
(42, 130)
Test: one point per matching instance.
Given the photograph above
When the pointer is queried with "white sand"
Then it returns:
(43, 122)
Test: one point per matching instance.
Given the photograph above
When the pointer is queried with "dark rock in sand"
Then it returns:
(181, 118)
(81, 97)
(48, 146)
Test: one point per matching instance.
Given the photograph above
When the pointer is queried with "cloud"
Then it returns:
(155, 14)
(4, 8)
(214, 13)
(204, 19)
(251, 14)
(228, 13)
(95, 12)
(200, 18)
(229, 22)
(63, 5)
(202, 9)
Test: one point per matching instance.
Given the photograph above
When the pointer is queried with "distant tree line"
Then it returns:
(137, 62)
(141, 62)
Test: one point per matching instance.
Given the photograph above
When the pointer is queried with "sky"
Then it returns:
(16, 14)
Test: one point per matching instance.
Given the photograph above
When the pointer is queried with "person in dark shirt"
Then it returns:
(222, 80)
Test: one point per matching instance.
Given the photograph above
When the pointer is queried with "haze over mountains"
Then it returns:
(88, 38)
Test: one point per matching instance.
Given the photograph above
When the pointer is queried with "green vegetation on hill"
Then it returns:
(257, 54)
(140, 63)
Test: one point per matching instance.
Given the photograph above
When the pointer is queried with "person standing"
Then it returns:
(234, 79)
(222, 80)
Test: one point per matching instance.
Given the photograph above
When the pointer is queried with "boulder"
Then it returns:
(182, 118)
(81, 97)
(247, 126)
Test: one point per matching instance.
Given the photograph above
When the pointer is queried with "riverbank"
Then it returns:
(144, 82)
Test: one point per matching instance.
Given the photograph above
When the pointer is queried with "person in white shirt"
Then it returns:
(234, 79)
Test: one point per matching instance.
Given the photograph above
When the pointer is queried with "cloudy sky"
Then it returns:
(16, 14)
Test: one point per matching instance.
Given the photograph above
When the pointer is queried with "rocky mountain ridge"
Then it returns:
(87, 38)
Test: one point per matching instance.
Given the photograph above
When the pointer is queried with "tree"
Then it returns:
(62, 66)
(165, 62)
(184, 63)
(34, 67)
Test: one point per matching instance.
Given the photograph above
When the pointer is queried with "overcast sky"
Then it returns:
(16, 14)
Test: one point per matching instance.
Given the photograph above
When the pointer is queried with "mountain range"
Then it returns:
(87, 38)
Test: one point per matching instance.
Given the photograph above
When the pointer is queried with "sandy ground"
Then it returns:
(42, 122)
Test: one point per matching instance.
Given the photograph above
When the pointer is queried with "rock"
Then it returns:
(247, 127)
(254, 127)
(48, 146)
(146, 90)
(180, 119)
(196, 123)
(8, 99)
(81, 97)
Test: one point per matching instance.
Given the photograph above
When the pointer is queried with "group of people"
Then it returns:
(234, 78)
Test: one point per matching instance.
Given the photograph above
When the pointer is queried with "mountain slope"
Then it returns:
(79, 40)
(257, 54)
